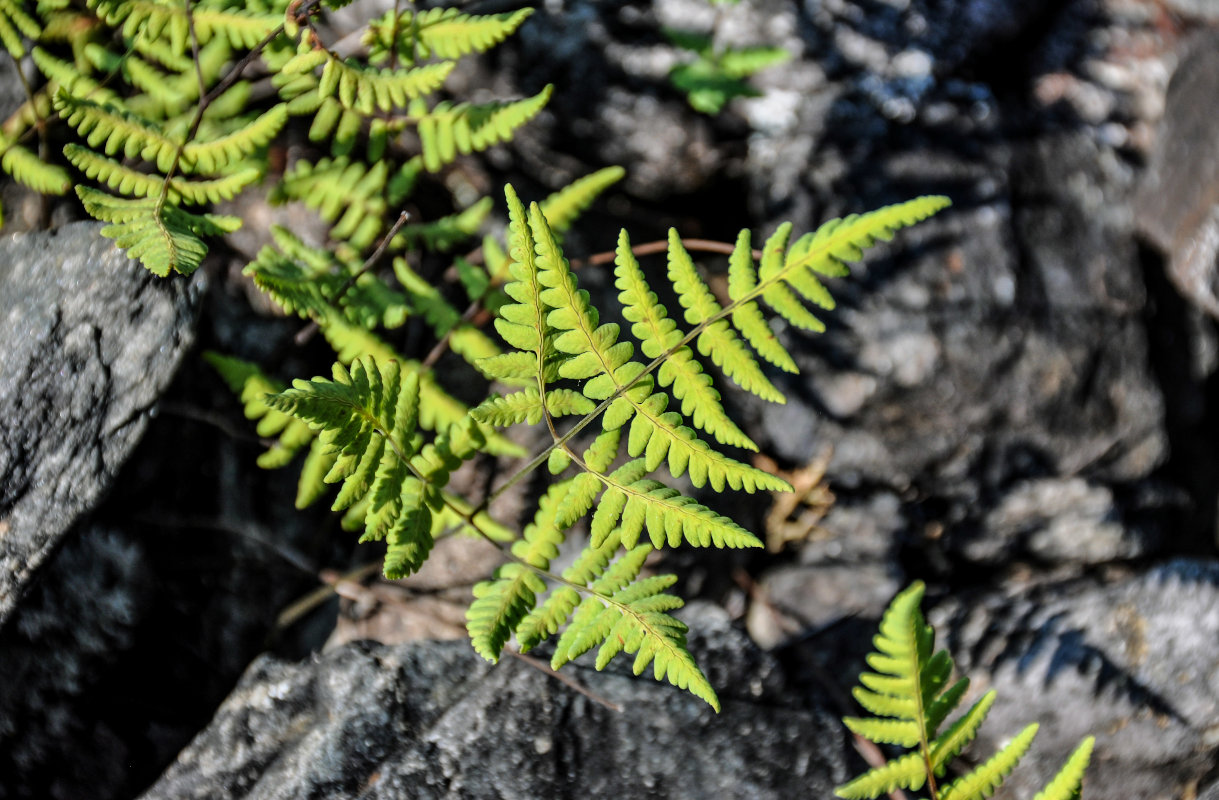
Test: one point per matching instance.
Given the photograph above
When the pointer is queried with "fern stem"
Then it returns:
(306, 332)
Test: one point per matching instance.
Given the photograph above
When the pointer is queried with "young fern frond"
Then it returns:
(439, 33)
(448, 130)
(1066, 784)
(908, 691)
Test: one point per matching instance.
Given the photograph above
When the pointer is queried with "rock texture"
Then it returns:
(89, 342)
(1178, 205)
(1132, 661)
(434, 721)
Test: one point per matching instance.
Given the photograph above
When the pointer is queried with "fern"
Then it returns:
(439, 33)
(448, 130)
(910, 696)
(15, 26)
(716, 76)
(558, 337)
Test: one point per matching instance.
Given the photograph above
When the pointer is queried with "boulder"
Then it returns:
(88, 342)
(432, 720)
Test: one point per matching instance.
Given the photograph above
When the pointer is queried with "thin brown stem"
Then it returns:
(542, 666)
(307, 332)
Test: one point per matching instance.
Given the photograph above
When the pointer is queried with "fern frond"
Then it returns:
(15, 24)
(348, 194)
(906, 772)
(440, 33)
(983, 781)
(442, 235)
(367, 89)
(366, 418)
(107, 126)
(1066, 784)
(241, 28)
(32, 171)
(910, 695)
(565, 205)
(657, 335)
(448, 130)
(501, 603)
(596, 353)
(162, 236)
(252, 386)
(134, 183)
(633, 618)
(213, 156)
(438, 410)
(718, 340)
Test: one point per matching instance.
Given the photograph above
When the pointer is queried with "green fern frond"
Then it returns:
(438, 410)
(439, 33)
(346, 193)
(658, 334)
(310, 283)
(210, 157)
(162, 236)
(501, 603)
(442, 235)
(15, 24)
(563, 207)
(1066, 784)
(718, 340)
(109, 127)
(448, 130)
(32, 171)
(252, 387)
(367, 89)
(366, 418)
(596, 353)
(910, 694)
(134, 183)
(983, 781)
(630, 615)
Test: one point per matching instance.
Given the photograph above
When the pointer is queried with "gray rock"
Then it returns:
(1131, 662)
(1177, 208)
(88, 341)
(434, 721)
(1057, 521)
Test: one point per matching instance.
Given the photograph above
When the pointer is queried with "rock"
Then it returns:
(88, 342)
(432, 720)
(1178, 209)
(1131, 662)
(1056, 521)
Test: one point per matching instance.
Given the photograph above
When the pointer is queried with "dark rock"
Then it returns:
(433, 720)
(88, 342)
(1131, 662)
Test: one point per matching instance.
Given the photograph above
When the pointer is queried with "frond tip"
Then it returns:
(910, 696)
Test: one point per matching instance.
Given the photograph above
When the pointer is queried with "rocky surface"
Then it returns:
(90, 341)
(435, 721)
(1131, 660)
